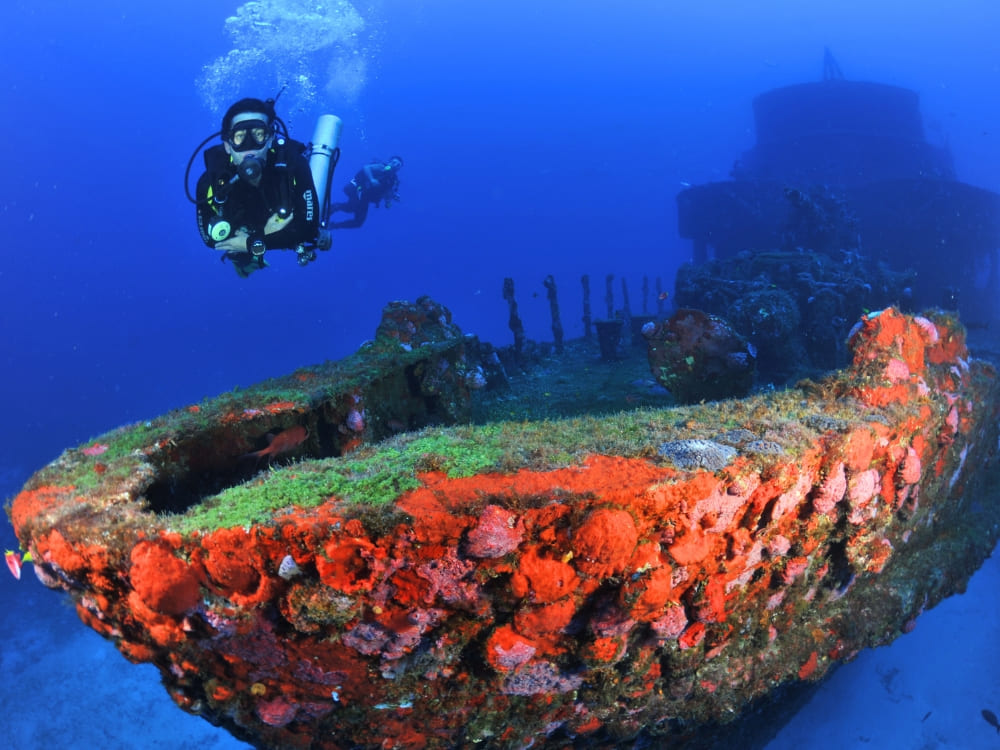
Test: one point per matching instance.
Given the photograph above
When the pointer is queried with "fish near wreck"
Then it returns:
(542, 584)
(283, 442)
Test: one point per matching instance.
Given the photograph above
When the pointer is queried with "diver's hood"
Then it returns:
(217, 160)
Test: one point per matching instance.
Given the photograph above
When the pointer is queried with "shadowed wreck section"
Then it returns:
(649, 578)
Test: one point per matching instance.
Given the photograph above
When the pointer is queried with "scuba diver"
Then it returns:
(378, 181)
(259, 190)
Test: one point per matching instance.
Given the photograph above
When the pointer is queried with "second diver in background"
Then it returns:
(375, 182)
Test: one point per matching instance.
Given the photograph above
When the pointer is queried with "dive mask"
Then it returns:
(249, 135)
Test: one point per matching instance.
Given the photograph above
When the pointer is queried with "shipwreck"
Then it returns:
(399, 577)
(844, 168)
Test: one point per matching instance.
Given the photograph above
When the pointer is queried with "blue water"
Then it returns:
(538, 137)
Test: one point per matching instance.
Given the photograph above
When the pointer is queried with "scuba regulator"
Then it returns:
(250, 168)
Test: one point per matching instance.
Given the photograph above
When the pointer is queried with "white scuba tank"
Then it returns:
(325, 140)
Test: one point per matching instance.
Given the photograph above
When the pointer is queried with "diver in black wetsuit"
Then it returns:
(374, 182)
(257, 192)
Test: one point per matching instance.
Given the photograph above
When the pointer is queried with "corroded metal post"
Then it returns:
(514, 321)
(557, 329)
(626, 314)
(585, 281)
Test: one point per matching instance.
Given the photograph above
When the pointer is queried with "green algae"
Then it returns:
(564, 410)
(372, 475)
(378, 474)
(297, 393)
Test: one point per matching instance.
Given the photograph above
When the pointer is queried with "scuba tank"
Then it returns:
(324, 153)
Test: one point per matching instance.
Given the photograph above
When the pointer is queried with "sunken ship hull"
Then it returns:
(653, 577)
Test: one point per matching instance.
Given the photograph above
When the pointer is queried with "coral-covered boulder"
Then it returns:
(699, 357)
(653, 578)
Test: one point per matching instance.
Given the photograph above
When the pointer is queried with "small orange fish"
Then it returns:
(14, 561)
(662, 296)
(283, 442)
